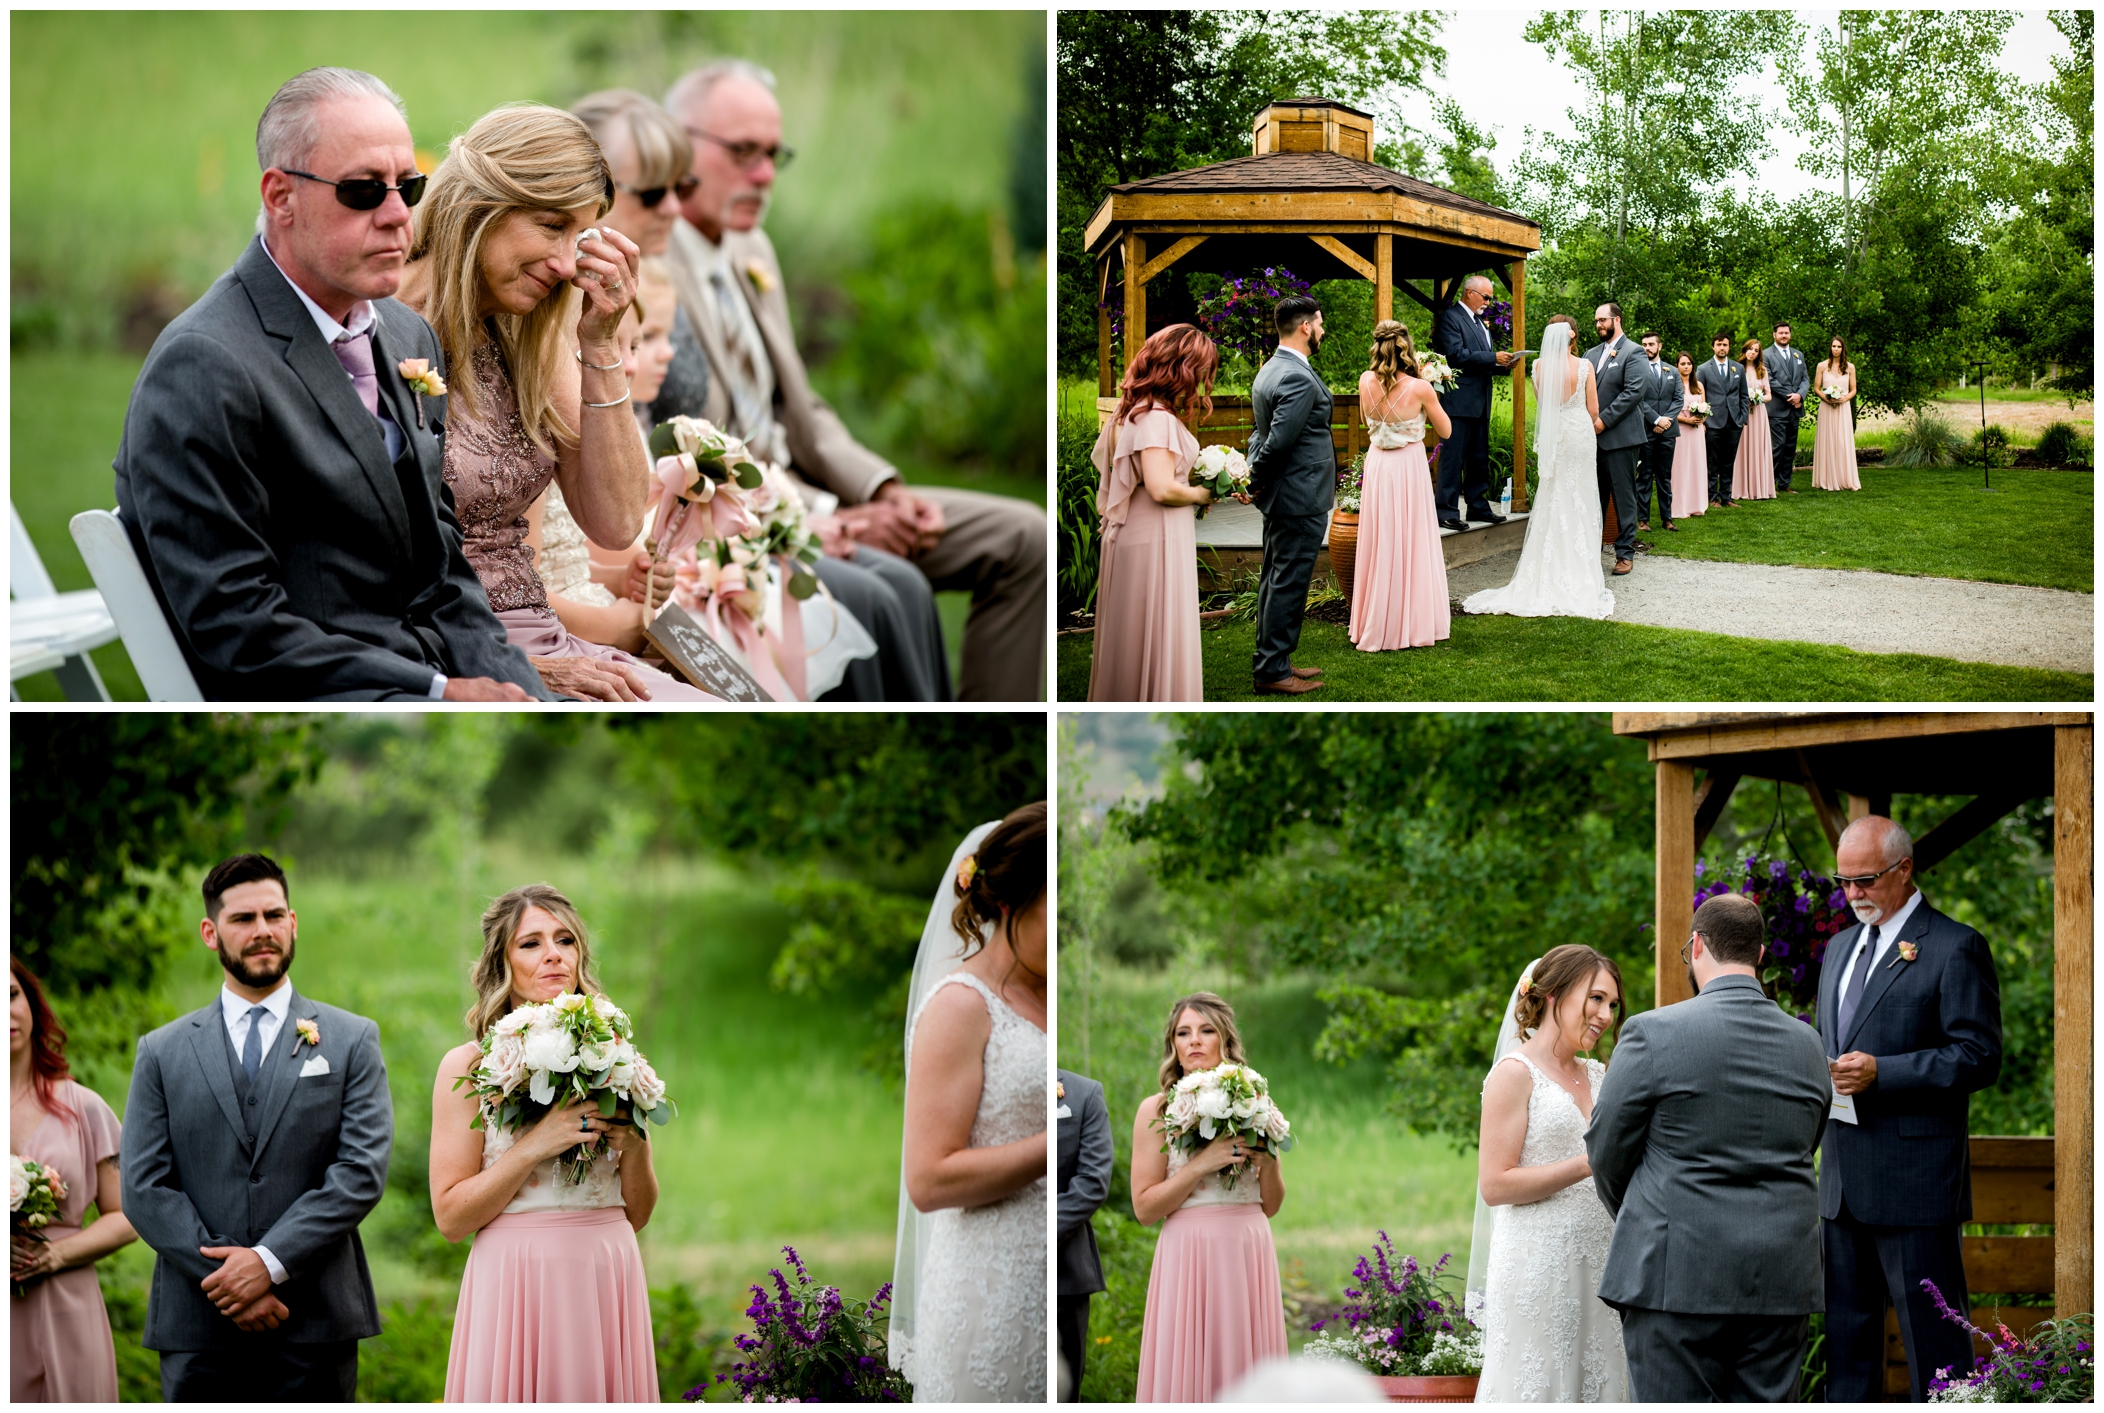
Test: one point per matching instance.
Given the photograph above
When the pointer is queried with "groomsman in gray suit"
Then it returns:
(1724, 389)
(1790, 380)
(1622, 379)
(1292, 478)
(1084, 1181)
(1662, 437)
(255, 1140)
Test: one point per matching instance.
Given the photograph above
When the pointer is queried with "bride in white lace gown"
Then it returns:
(1541, 1230)
(1559, 572)
(968, 1318)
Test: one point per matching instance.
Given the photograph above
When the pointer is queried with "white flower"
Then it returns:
(605, 1009)
(1276, 1128)
(1212, 1104)
(550, 1050)
(516, 1020)
(645, 1089)
(572, 1001)
(17, 1183)
(596, 1058)
(505, 1065)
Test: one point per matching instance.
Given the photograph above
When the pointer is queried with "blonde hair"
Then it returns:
(1213, 1009)
(522, 157)
(664, 152)
(653, 274)
(492, 971)
(1394, 353)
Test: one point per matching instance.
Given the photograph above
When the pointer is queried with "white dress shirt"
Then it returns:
(1888, 933)
(235, 1010)
(1296, 353)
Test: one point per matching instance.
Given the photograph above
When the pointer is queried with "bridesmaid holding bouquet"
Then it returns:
(1690, 460)
(1834, 444)
(1753, 470)
(1399, 599)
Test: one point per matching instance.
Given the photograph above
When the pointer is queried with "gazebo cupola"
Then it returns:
(1313, 125)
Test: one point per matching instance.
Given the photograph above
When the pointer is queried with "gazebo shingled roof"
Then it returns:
(1310, 171)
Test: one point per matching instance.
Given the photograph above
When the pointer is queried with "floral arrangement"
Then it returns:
(1238, 316)
(541, 1057)
(1497, 320)
(1434, 369)
(34, 1191)
(1758, 395)
(698, 481)
(1835, 391)
(809, 1346)
(1403, 1320)
(1695, 407)
(1803, 911)
(2055, 1363)
(782, 531)
(1226, 1099)
(1221, 470)
(1349, 481)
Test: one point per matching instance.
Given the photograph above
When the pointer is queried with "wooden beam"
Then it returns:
(1170, 256)
(1383, 277)
(1504, 276)
(1519, 386)
(1419, 295)
(2022, 1265)
(1970, 820)
(1135, 298)
(2012, 1180)
(1106, 380)
(1861, 805)
(1674, 911)
(1350, 258)
(1830, 821)
(1674, 736)
(1710, 799)
(2074, 1076)
(1499, 236)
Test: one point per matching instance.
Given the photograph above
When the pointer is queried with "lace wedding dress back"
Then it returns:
(1559, 574)
(981, 1318)
(1547, 1336)
(548, 1190)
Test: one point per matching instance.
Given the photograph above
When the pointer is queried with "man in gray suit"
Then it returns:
(1701, 1146)
(1790, 380)
(255, 1140)
(1662, 401)
(1723, 382)
(1621, 376)
(1084, 1181)
(280, 480)
(1292, 479)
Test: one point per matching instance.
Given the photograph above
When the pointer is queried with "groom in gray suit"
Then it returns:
(1621, 377)
(280, 480)
(1292, 478)
(1701, 1146)
(255, 1140)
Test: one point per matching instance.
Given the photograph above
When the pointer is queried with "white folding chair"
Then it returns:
(147, 637)
(48, 631)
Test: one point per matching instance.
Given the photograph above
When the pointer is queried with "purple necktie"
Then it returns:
(355, 353)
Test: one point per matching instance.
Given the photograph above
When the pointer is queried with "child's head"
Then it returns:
(654, 354)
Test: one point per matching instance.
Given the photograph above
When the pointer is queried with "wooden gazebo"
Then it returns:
(1309, 197)
(1852, 764)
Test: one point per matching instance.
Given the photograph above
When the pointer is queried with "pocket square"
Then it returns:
(318, 1065)
(1063, 1112)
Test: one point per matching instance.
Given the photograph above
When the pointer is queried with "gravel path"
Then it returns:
(2009, 624)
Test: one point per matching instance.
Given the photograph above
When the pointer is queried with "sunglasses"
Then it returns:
(749, 154)
(650, 196)
(1865, 880)
(366, 194)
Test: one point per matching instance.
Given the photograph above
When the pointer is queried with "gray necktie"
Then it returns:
(252, 1051)
(1857, 979)
(744, 382)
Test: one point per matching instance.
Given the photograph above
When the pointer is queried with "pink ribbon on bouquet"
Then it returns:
(729, 606)
(682, 523)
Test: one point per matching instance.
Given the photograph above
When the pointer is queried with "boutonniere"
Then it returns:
(310, 1033)
(1908, 951)
(762, 279)
(423, 381)
(1062, 1089)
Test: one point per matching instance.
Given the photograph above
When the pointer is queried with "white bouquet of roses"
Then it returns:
(1221, 470)
(538, 1058)
(1835, 391)
(1758, 396)
(34, 1191)
(1695, 407)
(1434, 369)
(1226, 1099)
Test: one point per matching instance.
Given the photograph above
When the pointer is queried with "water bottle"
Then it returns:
(1505, 499)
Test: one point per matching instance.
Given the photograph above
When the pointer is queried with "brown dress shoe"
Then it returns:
(1289, 686)
(1307, 674)
(1622, 566)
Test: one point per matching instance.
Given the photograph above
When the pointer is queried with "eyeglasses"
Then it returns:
(1687, 950)
(650, 196)
(749, 155)
(366, 194)
(1869, 878)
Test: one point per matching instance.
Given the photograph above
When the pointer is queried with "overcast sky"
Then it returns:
(1506, 84)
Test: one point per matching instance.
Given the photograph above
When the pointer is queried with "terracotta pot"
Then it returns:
(1429, 1388)
(1344, 548)
(1610, 524)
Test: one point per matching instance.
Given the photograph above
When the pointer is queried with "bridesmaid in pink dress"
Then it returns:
(1690, 460)
(1399, 590)
(1753, 470)
(1146, 647)
(554, 1307)
(1213, 1306)
(61, 1350)
(1834, 443)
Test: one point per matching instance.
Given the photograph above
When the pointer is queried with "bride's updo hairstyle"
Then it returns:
(522, 157)
(1563, 319)
(1213, 1009)
(492, 972)
(1394, 353)
(1174, 369)
(1560, 969)
(1008, 872)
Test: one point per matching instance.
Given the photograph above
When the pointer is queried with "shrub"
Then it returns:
(406, 1361)
(809, 1345)
(2061, 445)
(1080, 534)
(1111, 1369)
(686, 1354)
(1990, 447)
(1925, 440)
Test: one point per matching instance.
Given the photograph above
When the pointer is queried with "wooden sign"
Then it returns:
(699, 658)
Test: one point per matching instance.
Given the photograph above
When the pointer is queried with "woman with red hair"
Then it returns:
(1147, 587)
(62, 1351)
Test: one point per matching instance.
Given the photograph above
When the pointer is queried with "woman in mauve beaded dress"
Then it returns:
(527, 306)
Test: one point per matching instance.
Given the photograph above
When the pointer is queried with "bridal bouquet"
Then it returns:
(1227, 1099)
(541, 1057)
(1401, 1321)
(1695, 407)
(1221, 470)
(1434, 369)
(1835, 391)
(34, 1191)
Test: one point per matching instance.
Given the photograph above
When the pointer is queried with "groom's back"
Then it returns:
(1702, 1143)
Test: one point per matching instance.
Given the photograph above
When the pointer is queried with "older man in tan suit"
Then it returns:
(731, 287)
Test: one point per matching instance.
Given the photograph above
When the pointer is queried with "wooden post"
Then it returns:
(1106, 379)
(1383, 277)
(1135, 296)
(1519, 401)
(1675, 912)
(2074, 1080)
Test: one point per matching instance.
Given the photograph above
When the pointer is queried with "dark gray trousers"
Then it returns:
(1712, 1358)
(1782, 427)
(262, 1373)
(1074, 1341)
(1722, 444)
(1868, 1268)
(1655, 472)
(1617, 470)
(1464, 470)
(1291, 543)
(892, 599)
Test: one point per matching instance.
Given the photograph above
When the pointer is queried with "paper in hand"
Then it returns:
(1844, 1108)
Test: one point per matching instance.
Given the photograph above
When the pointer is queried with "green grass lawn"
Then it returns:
(1501, 659)
(782, 1137)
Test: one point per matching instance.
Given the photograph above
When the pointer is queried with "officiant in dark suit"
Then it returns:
(1622, 378)
(1911, 1017)
(1724, 389)
(1790, 380)
(1292, 479)
(1464, 464)
(1084, 1183)
(279, 477)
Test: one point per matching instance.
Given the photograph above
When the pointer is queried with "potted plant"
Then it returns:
(1344, 524)
(1404, 1326)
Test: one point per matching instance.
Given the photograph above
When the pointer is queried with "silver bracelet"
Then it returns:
(615, 403)
(578, 353)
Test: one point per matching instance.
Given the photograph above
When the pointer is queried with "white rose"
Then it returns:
(516, 1021)
(595, 1059)
(17, 1183)
(1183, 1111)
(604, 1008)
(1276, 1128)
(550, 1050)
(572, 1001)
(1212, 1104)
(645, 1089)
